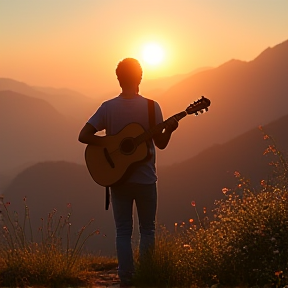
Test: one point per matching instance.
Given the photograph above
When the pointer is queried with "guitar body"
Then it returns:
(109, 163)
(112, 161)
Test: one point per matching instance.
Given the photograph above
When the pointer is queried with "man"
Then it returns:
(113, 115)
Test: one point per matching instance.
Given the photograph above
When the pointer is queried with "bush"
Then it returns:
(246, 242)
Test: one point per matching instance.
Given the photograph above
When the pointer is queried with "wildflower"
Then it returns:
(237, 174)
(266, 137)
(204, 210)
(193, 203)
(270, 148)
(190, 221)
(278, 273)
(263, 183)
(225, 190)
(68, 205)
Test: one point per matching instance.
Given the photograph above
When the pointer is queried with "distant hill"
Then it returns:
(70, 103)
(243, 95)
(32, 130)
(201, 178)
(155, 88)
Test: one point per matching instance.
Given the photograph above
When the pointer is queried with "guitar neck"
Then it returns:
(157, 129)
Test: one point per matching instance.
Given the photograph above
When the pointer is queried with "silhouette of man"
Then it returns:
(113, 115)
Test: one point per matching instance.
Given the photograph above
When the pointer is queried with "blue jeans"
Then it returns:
(123, 196)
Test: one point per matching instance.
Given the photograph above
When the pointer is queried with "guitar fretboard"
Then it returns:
(157, 129)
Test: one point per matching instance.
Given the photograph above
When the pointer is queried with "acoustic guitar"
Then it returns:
(111, 162)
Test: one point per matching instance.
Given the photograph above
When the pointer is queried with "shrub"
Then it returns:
(244, 244)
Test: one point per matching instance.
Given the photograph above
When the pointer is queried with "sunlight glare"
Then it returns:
(152, 54)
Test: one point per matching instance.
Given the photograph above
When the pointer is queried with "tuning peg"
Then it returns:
(201, 111)
(206, 109)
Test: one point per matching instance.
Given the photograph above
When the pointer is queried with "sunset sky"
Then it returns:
(77, 44)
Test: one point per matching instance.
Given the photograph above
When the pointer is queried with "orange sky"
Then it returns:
(77, 44)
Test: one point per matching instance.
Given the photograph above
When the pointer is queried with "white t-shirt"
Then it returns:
(113, 115)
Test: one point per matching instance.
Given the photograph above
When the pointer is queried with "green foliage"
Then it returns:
(244, 242)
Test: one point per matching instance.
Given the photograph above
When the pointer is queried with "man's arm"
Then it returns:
(87, 135)
(162, 139)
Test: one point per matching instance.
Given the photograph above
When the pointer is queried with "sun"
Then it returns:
(153, 54)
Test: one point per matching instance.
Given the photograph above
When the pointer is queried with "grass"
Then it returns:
(54, 261)
(242, 242)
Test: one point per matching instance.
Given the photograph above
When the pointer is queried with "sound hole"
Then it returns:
(127, 146)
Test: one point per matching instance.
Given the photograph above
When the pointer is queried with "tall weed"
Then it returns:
(54, 261)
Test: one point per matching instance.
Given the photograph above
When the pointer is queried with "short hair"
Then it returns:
(129, 71)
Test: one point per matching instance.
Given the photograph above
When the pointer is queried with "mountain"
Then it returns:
(243, 95)
(155, 88)
(201, 178)
(66, 101)
(32, 130)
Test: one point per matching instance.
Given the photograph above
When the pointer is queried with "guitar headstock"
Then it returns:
(200, 105)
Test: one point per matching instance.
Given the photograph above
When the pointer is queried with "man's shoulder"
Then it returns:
(148, 99)
(110, 100)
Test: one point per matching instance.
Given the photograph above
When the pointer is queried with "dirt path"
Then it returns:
(104, 279)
